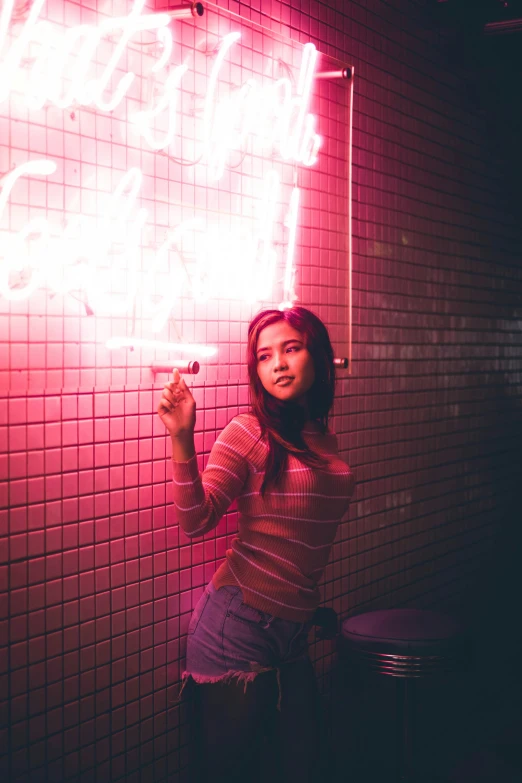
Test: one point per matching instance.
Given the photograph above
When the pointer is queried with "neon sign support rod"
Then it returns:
(189, 368)
(184, 11)
(350, 117)
(347, 73)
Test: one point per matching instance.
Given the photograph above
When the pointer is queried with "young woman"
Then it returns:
(280, 463)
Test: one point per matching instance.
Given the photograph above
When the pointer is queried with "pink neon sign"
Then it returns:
(111, 257)
(68, 56)
(79, 256)
(273, 114)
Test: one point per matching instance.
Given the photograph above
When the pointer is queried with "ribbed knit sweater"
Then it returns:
(284, 539)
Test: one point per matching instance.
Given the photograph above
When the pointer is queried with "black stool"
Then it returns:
(406, 644)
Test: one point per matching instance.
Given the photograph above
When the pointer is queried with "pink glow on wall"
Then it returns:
(88, 218)
(79, 256)
(269, 111)
(69, 56)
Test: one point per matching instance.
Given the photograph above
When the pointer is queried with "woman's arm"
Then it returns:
(201, 500)
(183, 447)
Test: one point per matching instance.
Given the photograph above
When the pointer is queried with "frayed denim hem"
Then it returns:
(245, 677)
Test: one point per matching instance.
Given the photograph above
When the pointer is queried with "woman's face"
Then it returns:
(284, 365)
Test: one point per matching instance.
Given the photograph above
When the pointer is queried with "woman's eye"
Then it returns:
(262, 357)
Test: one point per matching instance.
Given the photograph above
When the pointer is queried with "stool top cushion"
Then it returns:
(411, 630)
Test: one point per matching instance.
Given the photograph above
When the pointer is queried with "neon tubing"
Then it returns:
(134, 342)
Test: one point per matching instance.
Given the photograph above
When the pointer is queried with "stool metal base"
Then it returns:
(406, 665)
(406, 669)
(405, 724)
(407, 644)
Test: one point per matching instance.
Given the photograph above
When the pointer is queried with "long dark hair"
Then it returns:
(282, 422)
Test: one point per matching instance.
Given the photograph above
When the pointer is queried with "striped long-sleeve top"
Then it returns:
(284, 539)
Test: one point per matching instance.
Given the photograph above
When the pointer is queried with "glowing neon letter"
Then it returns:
(14, 254)
(129, 25)
(168, 101)
(267, 255)
(12, 61)
(291, 223)
(293, 145)
(173, 288)
(118, 225)
(57, 49)
(216, 165)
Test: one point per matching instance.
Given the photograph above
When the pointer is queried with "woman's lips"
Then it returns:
(284, 381)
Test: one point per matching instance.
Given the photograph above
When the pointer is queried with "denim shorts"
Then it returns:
(227, 639)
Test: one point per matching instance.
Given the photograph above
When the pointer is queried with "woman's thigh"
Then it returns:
(231, 725)
(241, 737)
(297, 726)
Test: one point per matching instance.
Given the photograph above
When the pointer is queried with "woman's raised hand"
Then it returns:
(177, 407)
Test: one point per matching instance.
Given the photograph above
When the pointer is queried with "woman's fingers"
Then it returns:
(172, 393)
(173, 387)
(177, 406)
(177, 386)
(168, 404)
(182, 385)
(171, 396)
